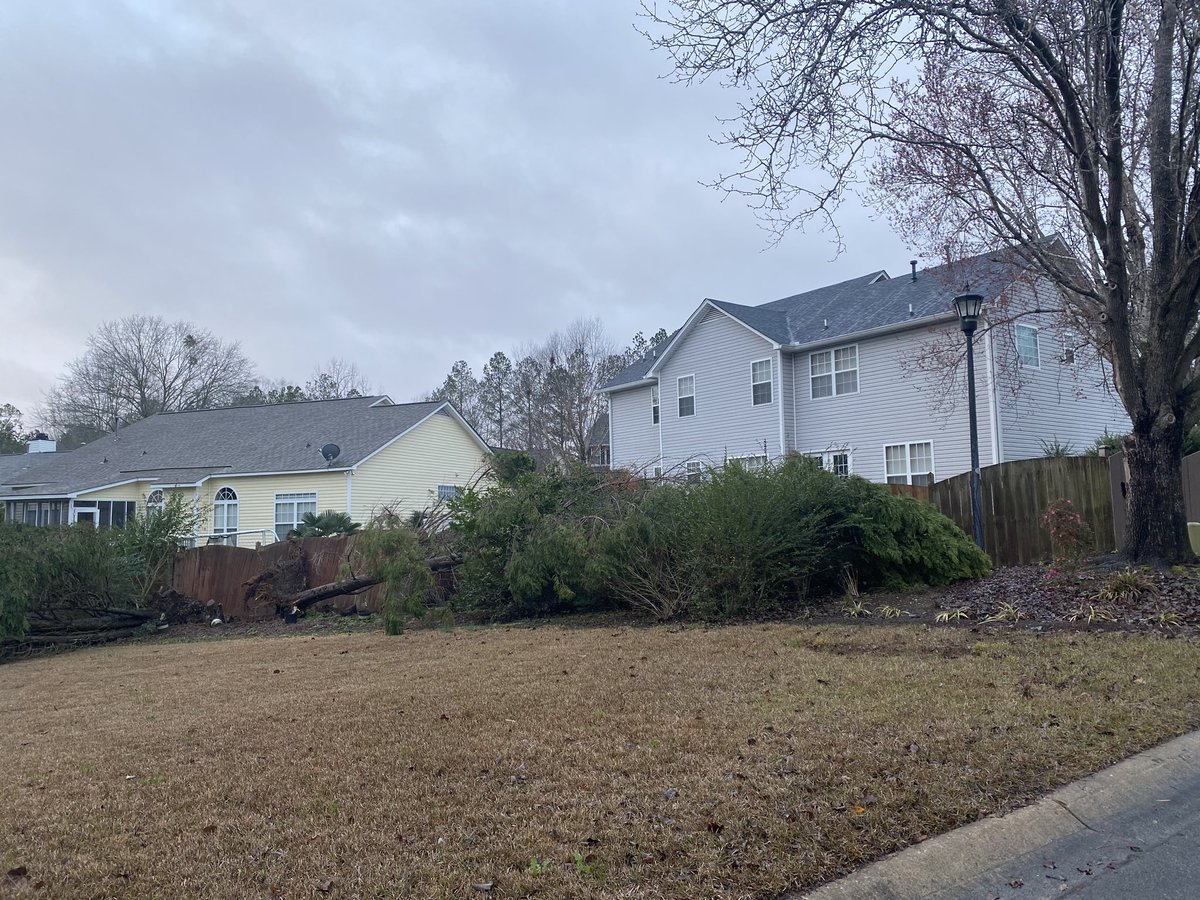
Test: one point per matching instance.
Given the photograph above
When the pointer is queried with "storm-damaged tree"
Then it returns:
(142, 365)
(996, 122)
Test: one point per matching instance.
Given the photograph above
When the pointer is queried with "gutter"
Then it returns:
(880, 331)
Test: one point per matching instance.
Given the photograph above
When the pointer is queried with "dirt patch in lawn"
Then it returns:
(550, 762)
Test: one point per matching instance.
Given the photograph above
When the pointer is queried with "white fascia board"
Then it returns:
(384, 400)
(691, 323)
(222, 476)
(851, 337)
(642, 382)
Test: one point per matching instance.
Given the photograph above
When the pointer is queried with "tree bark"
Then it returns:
(1156, 524)
(305, 599)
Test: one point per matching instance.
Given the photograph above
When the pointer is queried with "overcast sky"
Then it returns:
(397, 183)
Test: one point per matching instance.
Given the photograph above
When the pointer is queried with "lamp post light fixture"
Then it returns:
(968, 307)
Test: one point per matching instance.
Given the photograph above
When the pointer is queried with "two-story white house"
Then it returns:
(867, 376)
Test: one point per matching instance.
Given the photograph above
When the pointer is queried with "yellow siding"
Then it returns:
(256, 498)
(406, 474)
(136, 492)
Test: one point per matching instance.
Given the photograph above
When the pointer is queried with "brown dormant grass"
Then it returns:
(548, 762)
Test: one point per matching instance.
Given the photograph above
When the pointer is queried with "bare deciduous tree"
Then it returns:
(986, 122)
(142, 365)
(335, 380)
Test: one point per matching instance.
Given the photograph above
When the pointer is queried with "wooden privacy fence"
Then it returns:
(220, 574)
(1016, 494)
(1119, 479)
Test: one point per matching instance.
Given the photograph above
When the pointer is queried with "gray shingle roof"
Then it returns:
(861, 304)
(183, 447)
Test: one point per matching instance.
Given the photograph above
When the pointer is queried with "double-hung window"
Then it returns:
(834, 372)
(751, 463)
(290, 510)
(225, 515)
(693, 470)
(909, 463)
(447, 492)
(1027, 346)
(654, 403)
(687, 396)
(760, 382)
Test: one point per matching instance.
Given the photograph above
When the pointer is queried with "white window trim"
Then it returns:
(770, 380)
(655, 405)
(1037, 342)
(292, 495)
(833, 373)
(826, 457)
(766, 460)
(679, 396)
(454, 491)
(908, 473)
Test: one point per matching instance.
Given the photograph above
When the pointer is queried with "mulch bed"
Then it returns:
(1038, 600)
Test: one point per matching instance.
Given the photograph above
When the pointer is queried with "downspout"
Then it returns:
(662, 463)
(350, 493)
(993, 403)
(782, 442)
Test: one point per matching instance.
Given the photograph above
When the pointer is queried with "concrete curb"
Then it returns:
(1057, 846)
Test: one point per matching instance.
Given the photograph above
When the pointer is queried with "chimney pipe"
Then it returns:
(913, 263)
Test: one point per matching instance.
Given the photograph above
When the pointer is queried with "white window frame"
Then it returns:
(293, 497)
(752, 462)
(1037, 345)
(769, 382)
(693, 470)
(825, 459)
(834, 371)
(679, 397)
(655, 409)
(908, 472)
(224, 505)
(447, 492)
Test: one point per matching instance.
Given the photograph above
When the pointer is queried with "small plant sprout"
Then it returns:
(585, 865)
(1168, 619)
(1128, 584)
(1006, 613)
(848, 579)
(538, 866)
(888, 612)
(1091, 614)
(857, 609)
(952, 615)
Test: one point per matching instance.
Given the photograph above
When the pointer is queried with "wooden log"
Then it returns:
(305, 599)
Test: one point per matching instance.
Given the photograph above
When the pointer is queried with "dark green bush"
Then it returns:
(47, 569)
(735, 543)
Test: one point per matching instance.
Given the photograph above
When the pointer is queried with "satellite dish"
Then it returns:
(330, 452)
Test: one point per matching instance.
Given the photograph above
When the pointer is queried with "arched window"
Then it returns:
(154, 502)
(225, 515)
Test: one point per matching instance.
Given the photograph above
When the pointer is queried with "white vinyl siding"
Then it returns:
(833, 373)
(760, 382)
(687, 396)
(633, 434)
(909, 463)
(290, 510)
(1028, 351)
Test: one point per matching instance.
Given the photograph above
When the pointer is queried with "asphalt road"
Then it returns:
(1129, 832)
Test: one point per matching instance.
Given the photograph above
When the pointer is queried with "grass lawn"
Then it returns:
(609, 761)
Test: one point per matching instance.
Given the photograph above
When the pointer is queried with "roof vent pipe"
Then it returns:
(913, 263)
(826, 323)
(910, 310)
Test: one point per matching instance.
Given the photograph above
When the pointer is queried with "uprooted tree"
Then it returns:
(986, 122)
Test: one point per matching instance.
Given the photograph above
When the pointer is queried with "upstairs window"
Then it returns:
(1027, 346)
(834, 372)
(760, 382)
(654, 403)
(687, 396)
(909, 463)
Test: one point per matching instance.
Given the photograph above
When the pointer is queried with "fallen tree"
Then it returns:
(354, 585)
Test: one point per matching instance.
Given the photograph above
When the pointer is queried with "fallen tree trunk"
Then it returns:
(76, 626)
(304, 599)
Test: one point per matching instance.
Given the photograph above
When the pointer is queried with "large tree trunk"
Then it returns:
(1156, 524)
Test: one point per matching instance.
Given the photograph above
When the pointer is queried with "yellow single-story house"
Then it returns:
(252, 472)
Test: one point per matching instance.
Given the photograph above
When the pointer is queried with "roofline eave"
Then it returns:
(879, 331)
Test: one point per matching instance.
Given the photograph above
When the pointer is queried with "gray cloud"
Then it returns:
(398, 184)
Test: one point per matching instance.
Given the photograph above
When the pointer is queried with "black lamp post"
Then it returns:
(968, 307)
